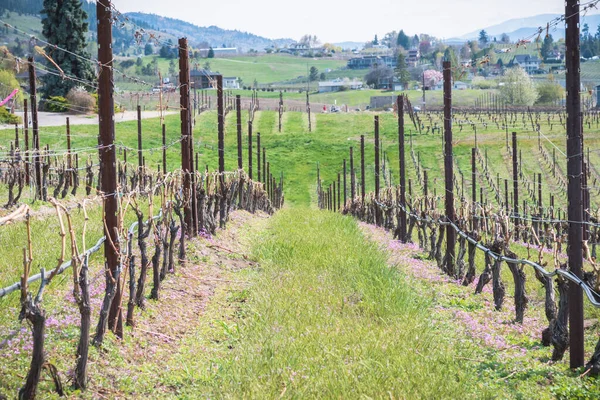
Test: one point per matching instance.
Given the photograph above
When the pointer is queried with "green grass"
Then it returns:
(327, 318)
(264, 68)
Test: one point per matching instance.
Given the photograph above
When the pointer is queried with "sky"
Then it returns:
(350, 20)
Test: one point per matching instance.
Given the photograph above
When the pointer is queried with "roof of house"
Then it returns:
(523, 58)
(202, 72)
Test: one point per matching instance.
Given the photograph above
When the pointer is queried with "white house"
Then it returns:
(231, 83)
(338, 85)
(527, 62)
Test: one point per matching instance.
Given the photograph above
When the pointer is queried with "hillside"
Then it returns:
(518, 28)
(213, 35)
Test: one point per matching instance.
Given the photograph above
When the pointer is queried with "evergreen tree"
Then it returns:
(65, 25)
(375, 41)
(483, 38)
(148, 50)
(211, 53)
(314, 74)
(403, 40)
(401, 71)
(547, 47)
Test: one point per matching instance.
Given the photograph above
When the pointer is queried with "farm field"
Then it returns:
(264, 68)
(500, 357)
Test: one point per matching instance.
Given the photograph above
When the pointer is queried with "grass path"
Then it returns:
(325, 317)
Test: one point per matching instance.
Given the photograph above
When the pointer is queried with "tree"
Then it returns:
(314, 74)
(148, 49)
(401, 70)
(432, 77)
(211, 53)
(65, 25)
(549, 92)
(390, 39)
(415, 41)
(504, 38)
(547, 47)
(375, 41)
(378, 74)
(403, 40)
(450, 55)
(483, 38)
(322, 77)
(518, 88)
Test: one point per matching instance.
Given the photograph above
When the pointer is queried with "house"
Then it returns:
(203, 78)
(527, 62)
(231, 83)
(412, 57)
(369, 61)
(458, 85)
(338, 85)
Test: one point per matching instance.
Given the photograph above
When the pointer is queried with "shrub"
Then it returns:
(482, 83)
(81, 100)
(7, 118)
(56, 104)
(549, 92)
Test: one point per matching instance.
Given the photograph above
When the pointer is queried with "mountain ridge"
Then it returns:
(213, 35)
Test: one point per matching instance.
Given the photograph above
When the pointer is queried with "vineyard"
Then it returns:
(252, 247)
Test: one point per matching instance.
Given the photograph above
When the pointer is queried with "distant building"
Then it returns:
(369, 61)
(527, 62)
(203, 78)
(412, 57)
(231, 83)
(339, 85)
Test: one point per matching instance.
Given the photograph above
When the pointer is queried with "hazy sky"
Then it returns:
(350, 20)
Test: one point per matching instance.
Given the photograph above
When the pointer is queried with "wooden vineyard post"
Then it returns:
(36, 134)
(139, 140)
(515, 163)
(362, 169)
(164, 149)
(473, 188)
(280, 109)
(574, 172)
(264, 165)
(26, 138)
(238, 112)
(258, 156)
(68, 172)
(352, 176)
(449, 168)
(108, 160)
(250, 155)
(377, 169)
(221, 144)
(402, 171)
(308, 112)
(187, 157)
(345, 182)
